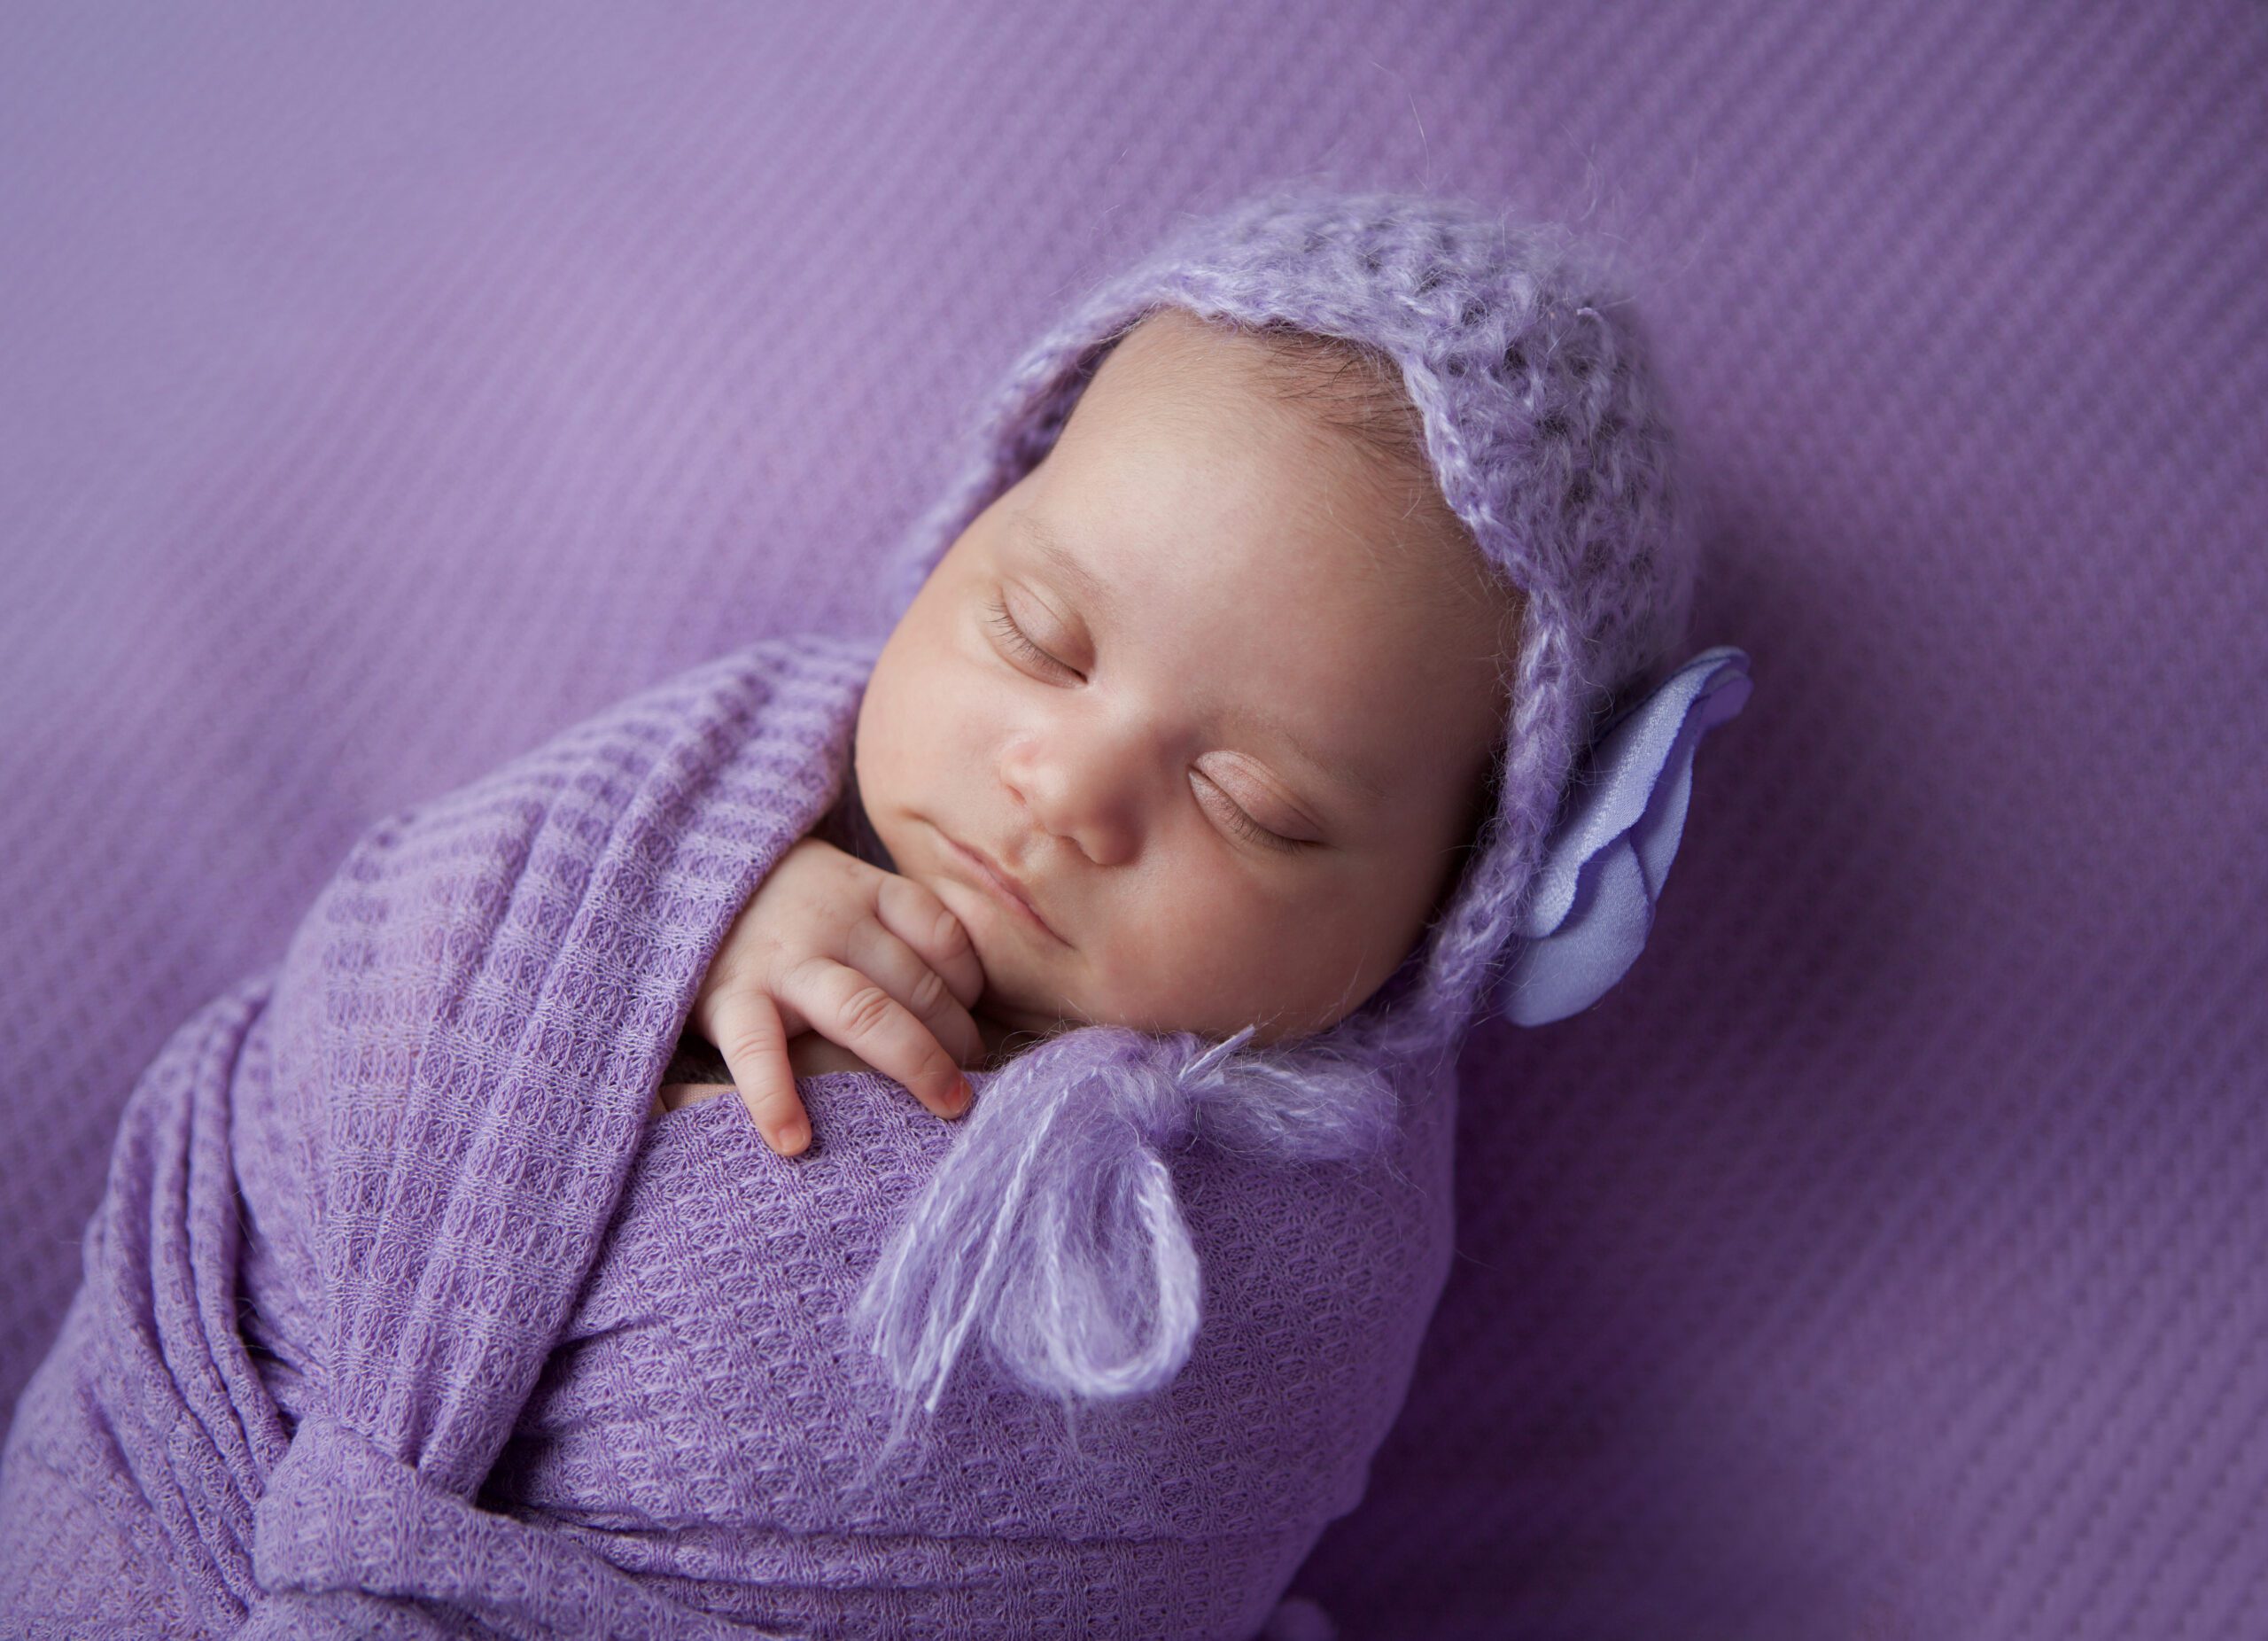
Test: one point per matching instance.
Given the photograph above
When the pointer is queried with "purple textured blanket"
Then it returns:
(401, 1316)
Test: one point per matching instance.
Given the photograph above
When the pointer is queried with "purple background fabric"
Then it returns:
(383, 390)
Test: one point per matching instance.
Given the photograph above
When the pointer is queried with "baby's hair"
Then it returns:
(1355, 387)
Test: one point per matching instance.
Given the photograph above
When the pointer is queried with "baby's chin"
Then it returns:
(1015, 1013)
(1018, 1013)
(1027, 1018)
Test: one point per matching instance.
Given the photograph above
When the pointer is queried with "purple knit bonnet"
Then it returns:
(1549, 437)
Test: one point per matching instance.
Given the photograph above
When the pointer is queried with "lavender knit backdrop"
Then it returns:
(382, 391)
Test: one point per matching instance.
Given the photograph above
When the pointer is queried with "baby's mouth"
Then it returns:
(987, 878)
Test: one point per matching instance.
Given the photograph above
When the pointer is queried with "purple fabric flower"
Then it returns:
(1603, 872)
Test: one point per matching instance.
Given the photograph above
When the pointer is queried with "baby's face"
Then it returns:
(1212, 687)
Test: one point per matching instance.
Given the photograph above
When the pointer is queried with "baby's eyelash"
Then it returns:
(1250, 829)
(1004, 624)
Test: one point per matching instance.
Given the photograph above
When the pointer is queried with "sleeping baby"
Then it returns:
(1287, 682)
(1189, 729)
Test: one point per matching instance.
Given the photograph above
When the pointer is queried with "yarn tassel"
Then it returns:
(1052, 1228)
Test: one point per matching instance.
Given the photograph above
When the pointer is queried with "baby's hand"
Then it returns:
(865, 958)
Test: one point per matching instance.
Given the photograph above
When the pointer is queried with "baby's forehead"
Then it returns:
(1409, 548)
(1202, 443)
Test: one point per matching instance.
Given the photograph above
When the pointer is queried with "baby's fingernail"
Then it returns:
(957, 1102)
(790, 1138)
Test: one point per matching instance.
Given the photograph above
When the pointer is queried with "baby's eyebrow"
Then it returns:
(1344, 774)
(1060, 559)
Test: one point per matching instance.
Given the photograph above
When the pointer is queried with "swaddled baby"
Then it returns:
(1285, 681)
(1188, 731)
(1285, 684)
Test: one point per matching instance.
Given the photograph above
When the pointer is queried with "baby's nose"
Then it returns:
(1088, 788)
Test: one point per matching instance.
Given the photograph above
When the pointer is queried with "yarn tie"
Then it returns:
(1053, 1226)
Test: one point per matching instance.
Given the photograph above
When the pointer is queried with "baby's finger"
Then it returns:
(886, 961)
(755, 1046)
(916, 915)
(845, 1007)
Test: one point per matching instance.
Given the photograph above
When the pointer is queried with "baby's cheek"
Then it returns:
(1329, 947)
(1207, 954)
(1207, 963)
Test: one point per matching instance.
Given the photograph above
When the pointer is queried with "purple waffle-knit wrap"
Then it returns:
(399, 1318)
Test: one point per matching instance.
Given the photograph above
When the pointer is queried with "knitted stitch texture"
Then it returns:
(496, 1368)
